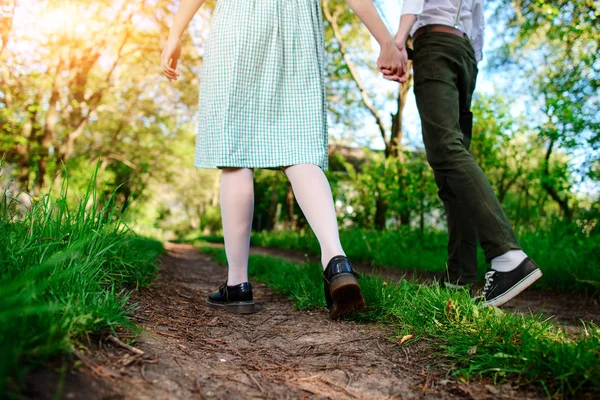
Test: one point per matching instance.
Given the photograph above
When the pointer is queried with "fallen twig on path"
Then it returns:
(99, 370)
(124, 345)
(255, 382)
(165, 334)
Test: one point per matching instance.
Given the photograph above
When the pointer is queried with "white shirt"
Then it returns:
(466, 15)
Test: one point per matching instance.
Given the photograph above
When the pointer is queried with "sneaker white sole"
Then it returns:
(515, 290)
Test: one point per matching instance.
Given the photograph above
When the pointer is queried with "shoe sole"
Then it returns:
(346, 295)
(515, 290)
(236, 308)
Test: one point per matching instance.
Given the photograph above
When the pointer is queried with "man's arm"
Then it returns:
(410, 10)
(478, 30)
(407, 21)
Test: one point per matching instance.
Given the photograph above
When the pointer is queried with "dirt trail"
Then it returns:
(192, 351)
(568, 309)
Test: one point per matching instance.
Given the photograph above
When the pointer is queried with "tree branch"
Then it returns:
(7, 22)
(332, 19)
(563, 203)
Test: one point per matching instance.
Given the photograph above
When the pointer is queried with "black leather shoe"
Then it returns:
(236, 299)
(342, 292)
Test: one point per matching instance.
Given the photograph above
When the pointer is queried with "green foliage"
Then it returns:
(65, 272)
(405, 249)
(476, 342)
(82, 93)
(270, 190)
(555, 46)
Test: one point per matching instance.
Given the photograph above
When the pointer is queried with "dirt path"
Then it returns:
(192, 351)
(569, 309)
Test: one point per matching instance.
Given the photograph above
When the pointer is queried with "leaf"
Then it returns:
(406, 338)
(472, 350)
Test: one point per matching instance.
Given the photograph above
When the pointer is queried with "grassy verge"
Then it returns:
(65, 272)
(475, 342)
(568, 258)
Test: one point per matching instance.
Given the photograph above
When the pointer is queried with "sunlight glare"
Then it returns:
(64, 20)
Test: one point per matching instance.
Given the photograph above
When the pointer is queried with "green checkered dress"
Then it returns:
(262, 92)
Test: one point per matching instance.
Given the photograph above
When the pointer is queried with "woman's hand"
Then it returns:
(172, 51)
(169, 58)
(392, 62)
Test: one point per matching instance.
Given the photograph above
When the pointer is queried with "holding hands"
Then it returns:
(401, 75)
(393, 61)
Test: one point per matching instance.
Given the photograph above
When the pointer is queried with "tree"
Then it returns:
(556, 44)
(82, 67)
(341, 31)
(511, 154)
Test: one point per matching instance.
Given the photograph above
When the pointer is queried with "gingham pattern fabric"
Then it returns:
(262, 92)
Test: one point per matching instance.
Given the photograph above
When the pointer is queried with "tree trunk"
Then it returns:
(289, 200)
(394, 149)
(563, 203)
(271, 220)
(381, 207)
(23, 154)
(46, 139)
(7, 23)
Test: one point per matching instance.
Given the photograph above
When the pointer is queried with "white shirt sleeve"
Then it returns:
(478, 30)
(412, 7)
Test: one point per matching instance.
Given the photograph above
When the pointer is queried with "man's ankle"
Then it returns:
(508, 261)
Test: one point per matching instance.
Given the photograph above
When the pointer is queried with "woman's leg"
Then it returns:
(313, 194)
(237, 206)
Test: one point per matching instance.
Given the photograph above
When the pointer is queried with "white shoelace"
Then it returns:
(489, 279)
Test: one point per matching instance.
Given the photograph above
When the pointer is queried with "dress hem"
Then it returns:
(261, 166)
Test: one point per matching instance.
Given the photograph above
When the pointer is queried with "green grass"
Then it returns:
(569, 259)
(66, 271)
(473, 342)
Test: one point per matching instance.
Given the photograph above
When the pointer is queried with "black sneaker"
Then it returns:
(236, 299)
(342, 293)
(501, 287)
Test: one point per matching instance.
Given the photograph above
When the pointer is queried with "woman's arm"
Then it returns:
(389, 59)
(187, 10)
(366, 11)
(172, 51)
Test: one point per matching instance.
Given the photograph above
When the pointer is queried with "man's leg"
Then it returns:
(462, 242)
(461, 268)
(442, 71)
(445, 74)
